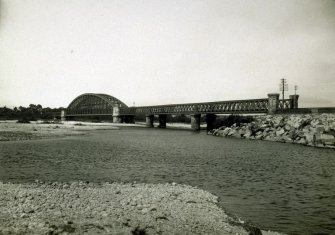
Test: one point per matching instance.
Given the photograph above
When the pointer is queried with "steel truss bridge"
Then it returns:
(91, 104)
(219, 107)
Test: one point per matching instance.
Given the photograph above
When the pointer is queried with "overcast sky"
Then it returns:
(165, 51)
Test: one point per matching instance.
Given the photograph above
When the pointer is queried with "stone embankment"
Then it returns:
(113, 208)
(310, 129)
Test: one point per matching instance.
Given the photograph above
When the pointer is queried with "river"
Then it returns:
(282, 187)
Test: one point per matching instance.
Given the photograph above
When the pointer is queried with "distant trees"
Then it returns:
(31, 113)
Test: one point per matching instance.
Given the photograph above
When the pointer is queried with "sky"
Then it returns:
(152, 52)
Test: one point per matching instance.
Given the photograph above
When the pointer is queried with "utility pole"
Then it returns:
(295, 95)
(283, 87)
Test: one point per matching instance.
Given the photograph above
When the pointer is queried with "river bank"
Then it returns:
(316, 130)
(13, 131)
(113, 208)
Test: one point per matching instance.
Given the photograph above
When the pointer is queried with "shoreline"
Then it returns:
(114, 208)
(314, 130)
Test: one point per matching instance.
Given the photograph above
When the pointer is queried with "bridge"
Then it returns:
(91, 104)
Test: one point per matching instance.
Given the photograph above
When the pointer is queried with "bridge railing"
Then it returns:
(252, 106)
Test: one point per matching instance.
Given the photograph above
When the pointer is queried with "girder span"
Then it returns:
(93, 104)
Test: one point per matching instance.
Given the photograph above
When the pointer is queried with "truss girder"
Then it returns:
(238, 106)
(93, 104)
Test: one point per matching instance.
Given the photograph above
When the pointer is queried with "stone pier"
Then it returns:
(62, 116)
(195, 122)
(149, 121)
(117, 119)
(116, 115)
(162, 120)
(273, 103)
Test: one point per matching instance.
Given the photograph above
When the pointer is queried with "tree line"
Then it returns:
(31, 113)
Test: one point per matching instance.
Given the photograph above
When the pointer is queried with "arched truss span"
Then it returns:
(93, 104)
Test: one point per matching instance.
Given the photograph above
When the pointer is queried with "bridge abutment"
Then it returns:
(273, 103)
(195, 122)
(149, 120)
(210, 121)
(162, 120)
(294, 101)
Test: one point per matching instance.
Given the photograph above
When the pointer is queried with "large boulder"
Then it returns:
(320, 129)
(310, 138)
(280, 132)
(327, 139)
(287, 127)
(248, 134)
(301, 141)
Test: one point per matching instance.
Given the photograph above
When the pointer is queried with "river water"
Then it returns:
(281, 187)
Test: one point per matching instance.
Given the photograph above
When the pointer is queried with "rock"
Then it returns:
(287, 139)
(327, 139)
(310, 138)
(293, 134)
(320, 129)
(231, 132)
(226, 131)
(287, 127)
(280, 132)
(248, 134)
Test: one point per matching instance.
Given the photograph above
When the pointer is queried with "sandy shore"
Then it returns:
(11, 131)
(113, 208)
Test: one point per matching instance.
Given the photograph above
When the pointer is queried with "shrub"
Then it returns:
(23, 120)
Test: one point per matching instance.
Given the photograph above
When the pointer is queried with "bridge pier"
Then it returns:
(149, 120)
(162, 120)
(210, 121)
(62, 116)
(273, 103)
(195, 122)
(117, 119)
(116, 114)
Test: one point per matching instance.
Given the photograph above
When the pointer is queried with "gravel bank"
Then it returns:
(12, 131)
(86, 208)
(316, 130)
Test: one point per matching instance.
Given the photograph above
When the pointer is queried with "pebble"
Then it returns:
(93, 214)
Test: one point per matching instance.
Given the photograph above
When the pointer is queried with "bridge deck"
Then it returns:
(241, 106)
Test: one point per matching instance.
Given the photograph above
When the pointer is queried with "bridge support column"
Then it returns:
(294, 101)
(162, 120)
(210, 121)
(62, 116)
(273, 103)
(117, 119)
(195, 122)
(149, 120)
(116, 115)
